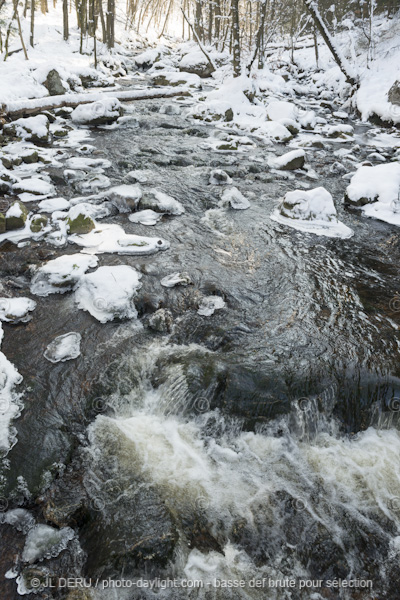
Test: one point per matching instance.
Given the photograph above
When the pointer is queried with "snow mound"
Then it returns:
(61, 274)
(311, 211)
(15, 310)
(9, 400)
(108, 293)
(235, 199)
(97, 113)
(145, 217)
(377, 191)
(64, 347)
(44, 541)
(53, 204)
(176, 279)
(112, 238)
(210, 304)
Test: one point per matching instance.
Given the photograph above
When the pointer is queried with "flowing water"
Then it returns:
(260, 444)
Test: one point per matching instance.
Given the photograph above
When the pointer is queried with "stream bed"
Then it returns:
(259, 443)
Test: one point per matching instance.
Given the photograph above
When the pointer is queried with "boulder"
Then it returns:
(79, 222)
(97, 113)
(161, 321)
(30, 129)
(38, 223)
(288, 162)
(54, 84)
(394, 93)
(124, 197)
(16, 216)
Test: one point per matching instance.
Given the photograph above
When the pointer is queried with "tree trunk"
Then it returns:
(340, 60)
(102, 20)
(30, 107)
(110, 23)
(65, 20)
(32, 36)
(21, 36)
(235, 37)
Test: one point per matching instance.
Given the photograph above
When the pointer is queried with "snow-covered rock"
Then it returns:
(145, 217)
(97, 113)
(174, 79)
(35, 186)
(112, 238)
(80, 219)
(170, 109)
(16, 216)
(61, 274)
(53, 204)
(377, 191)
(235, 199)
(210, 304)
(16, 310)
(311, 211)
(197, 63)
(9, 399)
(176, 279)
(146, 59)
(289, 161)
(44, 541)
(64, 347)
(87, 164)
(30, 129)
(124, 197)
(219, 177)
(161, 202)
(108, 293)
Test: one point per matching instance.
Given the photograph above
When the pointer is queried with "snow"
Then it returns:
(145, 217)
(64, 347)
(86, 164)
(53, 204)
(61, 274)
(112, 238)
(14, 210)
(175, 279)
(35, 186)
(311, 211)
(378, 190)
(108, 293)
(108, 108)
(9, 399)
(235, 199)
(16, 309)
(164, 203)
(126, 197)
(37, 126)
(210, 304)
(280, 162)
(44, 541)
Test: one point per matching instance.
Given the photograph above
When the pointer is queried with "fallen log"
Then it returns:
(20, 108)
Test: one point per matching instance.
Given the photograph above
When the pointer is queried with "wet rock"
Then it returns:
(125, 197)
(176, 279)
(54, 84)
(289, 161)
(38, 223)
(30, 157)
(161, 203)
(394, 93)
(219, 177)
(80, 595)
(2, 223)
(78, 222)
(16, 216)
(161, 321)
(7, 164)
